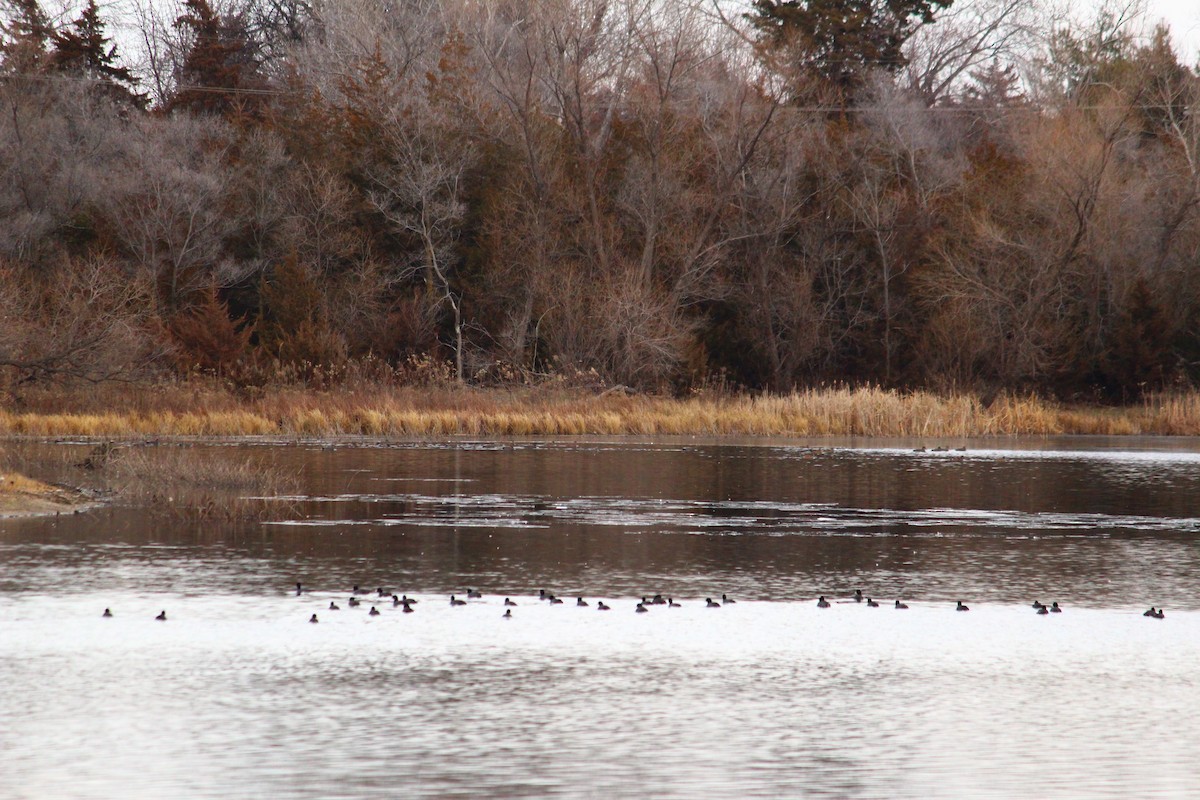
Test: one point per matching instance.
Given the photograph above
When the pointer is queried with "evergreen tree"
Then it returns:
(82, 50)
(1083, 65)
(219, 74)
(24, 38)
(994, 86)
(839, 42)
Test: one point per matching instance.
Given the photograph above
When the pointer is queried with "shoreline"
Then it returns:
(208, 410)
(22, 497)
(932, 445)
(142, 469)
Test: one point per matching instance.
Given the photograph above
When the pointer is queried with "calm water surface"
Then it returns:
(238, 695)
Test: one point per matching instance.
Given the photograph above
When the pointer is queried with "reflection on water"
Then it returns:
(238, 695)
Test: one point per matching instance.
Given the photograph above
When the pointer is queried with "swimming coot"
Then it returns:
(600, 606)
(708, 602)
(901, 605)
(106, 613)
(822, 602)
(641, 609)
(508, 613)
(579, 601)
(334, 606)
(313, 618)
(1054, 608)
(374, 612)
(871, 603)
(961, 607)
(162, 616)
(508, 602)
(454, 601)
(727, 600)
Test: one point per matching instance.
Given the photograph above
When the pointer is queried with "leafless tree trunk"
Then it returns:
(419, 191)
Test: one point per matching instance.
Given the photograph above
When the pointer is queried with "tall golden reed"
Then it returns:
(407, 412)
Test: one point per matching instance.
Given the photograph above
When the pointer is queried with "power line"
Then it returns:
(45, 78)
(812, 109)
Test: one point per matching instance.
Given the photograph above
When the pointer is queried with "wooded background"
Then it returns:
(665, 193)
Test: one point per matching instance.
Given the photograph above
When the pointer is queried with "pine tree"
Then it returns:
(994, 86)
(24, 38)
(82, 50)
(219, 75)
(839, 42)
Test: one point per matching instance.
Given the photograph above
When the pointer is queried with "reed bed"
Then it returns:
(387, 411)
(173, 480)
(198, 485)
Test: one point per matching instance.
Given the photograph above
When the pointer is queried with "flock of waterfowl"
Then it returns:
(406, 603)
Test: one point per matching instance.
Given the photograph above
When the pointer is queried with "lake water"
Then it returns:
(237, 694)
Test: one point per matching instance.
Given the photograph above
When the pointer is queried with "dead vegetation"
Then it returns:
(664, 194)
(208, 409)
(23, 496)
(210, 484)
(177, 481)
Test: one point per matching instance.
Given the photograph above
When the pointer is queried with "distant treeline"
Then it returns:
(662, 193)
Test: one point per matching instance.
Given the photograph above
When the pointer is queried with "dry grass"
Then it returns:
(200, 409)
(184, 482)
(16, 483)
(174, 481)
(21, 495)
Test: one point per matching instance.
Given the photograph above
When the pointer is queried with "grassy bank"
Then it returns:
(196, 409)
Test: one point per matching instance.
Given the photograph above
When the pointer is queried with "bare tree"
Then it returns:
(157, 52)
(171, 213)
(644, 335)
(318, 218)
(58, 143)
(406, 35)
(419, 190)
(81, 321)
(967, 36)
(700, 124)
(586, 56)
(901, 171)
(786, 260)
(1174, 96)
